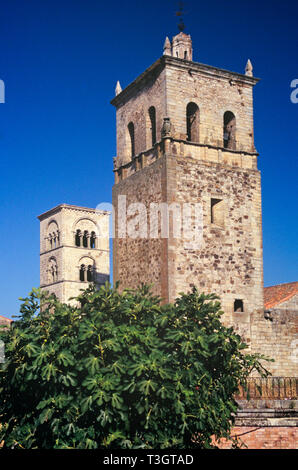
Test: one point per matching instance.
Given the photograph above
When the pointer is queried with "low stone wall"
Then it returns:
(276, 335)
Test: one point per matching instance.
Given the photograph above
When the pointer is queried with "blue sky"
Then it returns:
(60, 61)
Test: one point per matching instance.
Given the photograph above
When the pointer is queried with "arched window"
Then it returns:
(85, 239)
(52, 270)
(90, 273)
(192, 122)
(229, 131)
(152, 116)
(82, 273)
(92, 240)
(131, 131)
(53, 235)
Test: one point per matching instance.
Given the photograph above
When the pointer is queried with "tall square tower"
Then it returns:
(185, 138)
(74, 250)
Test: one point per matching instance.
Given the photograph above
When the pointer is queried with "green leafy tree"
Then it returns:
(120, 370)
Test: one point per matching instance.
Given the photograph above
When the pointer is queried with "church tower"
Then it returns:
(74, 249)
(185, 140)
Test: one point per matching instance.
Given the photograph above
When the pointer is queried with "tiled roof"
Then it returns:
(274, 295)
(5, 320)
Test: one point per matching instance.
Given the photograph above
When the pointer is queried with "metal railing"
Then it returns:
(271, 388)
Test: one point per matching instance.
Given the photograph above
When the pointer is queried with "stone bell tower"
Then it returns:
(185, 140)
(74, 250)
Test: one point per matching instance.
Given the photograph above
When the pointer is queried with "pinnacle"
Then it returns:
(249, 68)
(118, 88)
(167, 49)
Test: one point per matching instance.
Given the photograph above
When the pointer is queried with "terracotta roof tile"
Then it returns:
(5, 320)
(274, 295)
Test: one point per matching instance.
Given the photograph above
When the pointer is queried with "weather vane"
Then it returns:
(180, 14)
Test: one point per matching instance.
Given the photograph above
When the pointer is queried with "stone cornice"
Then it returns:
(267, 417)
(138, 83)
(210, 70)
(45, 286)
(57, 209)
(90, 250)
(173, 140)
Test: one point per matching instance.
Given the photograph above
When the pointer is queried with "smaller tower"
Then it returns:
(181, 46)
(74, 250)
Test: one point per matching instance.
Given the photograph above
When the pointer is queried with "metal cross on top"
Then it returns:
(180, 14)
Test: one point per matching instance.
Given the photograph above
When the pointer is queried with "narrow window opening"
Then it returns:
(152, 115)
(92, 240)
(217, 212)
(90, 273)
(78, 238)
(52, 271)
(238, 305)
(185, 54)
(82, 273)
(85, 239)
(192, 122)
(131, 130)
(229, 131)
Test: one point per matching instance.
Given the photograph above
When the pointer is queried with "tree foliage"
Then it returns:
(120, 371)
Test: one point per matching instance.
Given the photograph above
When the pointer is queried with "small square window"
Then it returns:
(238, 305)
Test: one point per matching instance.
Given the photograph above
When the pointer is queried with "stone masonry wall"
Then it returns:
(135, 109)
(214, 93)
(290, 304)
(169, 85)
(140, 260)
(277, 338)
(229, 260)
